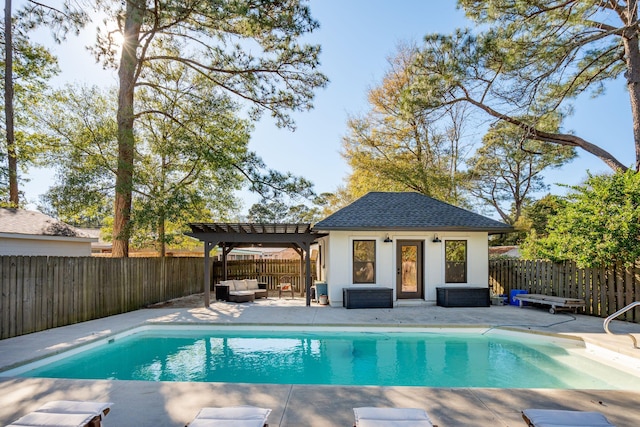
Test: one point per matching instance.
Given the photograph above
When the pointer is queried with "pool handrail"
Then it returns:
(618, 313)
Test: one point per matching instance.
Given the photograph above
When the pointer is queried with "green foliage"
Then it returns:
(559, 49)
(530, 59)
(32, 66)
(396, 147)
(515, 238)
(538, 214)
(278, 212)
(599, 226)
(187, 161)
(79, 124)
(534, 219)
(62, 18)
(248, 51)
(192, 155)
(335, 201)
(507, 169)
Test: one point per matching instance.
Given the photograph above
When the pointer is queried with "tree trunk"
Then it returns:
(126, 142)
(12, 155)
(632, 57)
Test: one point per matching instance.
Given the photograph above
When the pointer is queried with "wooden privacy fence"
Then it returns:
(270, 272)
(605, 291)
(39, 293)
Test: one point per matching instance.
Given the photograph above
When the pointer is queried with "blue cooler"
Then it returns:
(513, 293)
(321, 289)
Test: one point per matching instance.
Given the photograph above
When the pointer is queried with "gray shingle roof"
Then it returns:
(21, 221)
(407, 211)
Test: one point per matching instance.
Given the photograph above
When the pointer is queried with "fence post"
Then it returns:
(636, 287)
(628, 295)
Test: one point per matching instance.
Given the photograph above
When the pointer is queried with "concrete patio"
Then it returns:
(139, 403)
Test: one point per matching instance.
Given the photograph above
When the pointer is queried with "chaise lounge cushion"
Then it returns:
(232, 416)
(564, 418)
(391, 417)
(63, 413)
(45, 419)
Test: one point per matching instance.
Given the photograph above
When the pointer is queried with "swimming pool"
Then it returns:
(384, 357)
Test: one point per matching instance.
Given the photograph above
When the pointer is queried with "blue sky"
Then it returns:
(357, 37)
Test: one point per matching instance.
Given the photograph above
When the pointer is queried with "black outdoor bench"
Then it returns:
(367, 297)
(463, 296)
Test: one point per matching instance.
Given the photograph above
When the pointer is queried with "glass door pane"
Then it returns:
(409, 274)
(409, 268)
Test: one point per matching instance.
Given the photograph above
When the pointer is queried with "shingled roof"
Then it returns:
(21, 221)
(407, 211)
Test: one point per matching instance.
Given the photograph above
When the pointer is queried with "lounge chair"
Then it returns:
(392, 417)
(66, 413)
(557, 417)
(231, 416)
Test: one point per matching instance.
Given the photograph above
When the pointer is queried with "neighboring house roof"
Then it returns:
(99, 244)
(407, 211)
(278, 253)
(504, 251)
(33, 223)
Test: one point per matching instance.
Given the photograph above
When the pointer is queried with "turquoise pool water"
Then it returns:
(384, 359)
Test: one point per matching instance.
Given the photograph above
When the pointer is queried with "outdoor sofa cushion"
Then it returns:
(241, 296)
(254, 286)
(240, 285)
(228, 283)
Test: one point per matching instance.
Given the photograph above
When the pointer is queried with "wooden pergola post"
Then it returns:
(307, 259)
(207, 273)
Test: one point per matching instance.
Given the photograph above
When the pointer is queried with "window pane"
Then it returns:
(455, 261)
(364, 256)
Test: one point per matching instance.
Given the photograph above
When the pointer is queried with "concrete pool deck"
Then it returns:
(138, 403)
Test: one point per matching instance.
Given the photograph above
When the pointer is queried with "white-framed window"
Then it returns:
(455, 261)
(364, 261)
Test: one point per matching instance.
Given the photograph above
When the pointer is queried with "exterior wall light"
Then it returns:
(436, 239)
(388, 239)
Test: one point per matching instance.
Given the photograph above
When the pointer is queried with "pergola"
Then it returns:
(228, 236)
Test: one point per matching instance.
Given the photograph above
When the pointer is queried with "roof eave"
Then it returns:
(47, 237)
(490, 230)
